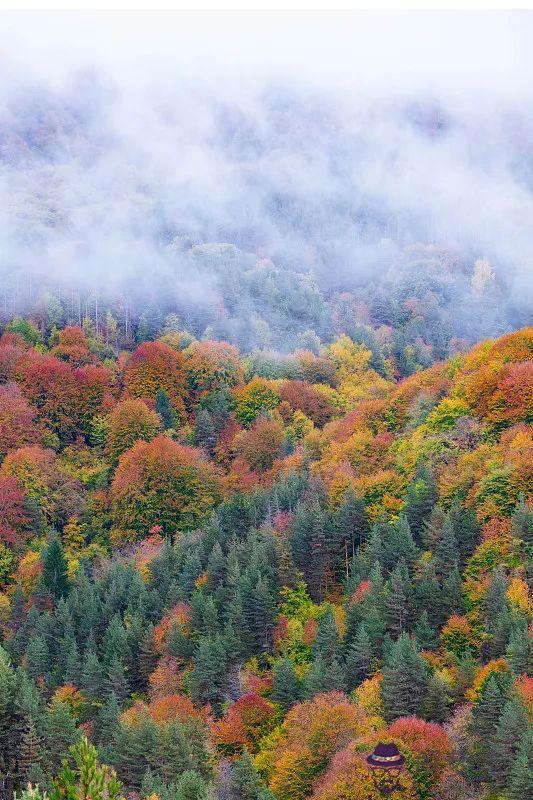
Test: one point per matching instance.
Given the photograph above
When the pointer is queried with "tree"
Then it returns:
(286, 688)
(208, 678)
(17, 425)
(164, 408)
(54, 575)
(520, 784)
(154, 366)
(520, 649)
(130, 421)
(257, 396)
(245, 783)
(260, 445)
(14, 519)
(359, 658)
(397, 610)
(89, 780)
(405, 679)
(513, 724)
(162, 483)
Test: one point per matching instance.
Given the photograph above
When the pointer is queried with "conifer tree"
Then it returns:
(512, 726)
(327, 638)
(397, 607)
(115, 680)
(520, 649)
(92, 676)
(425, 635)
(446, 551)
(405, 680)
(358, 658)
(54, 574)
(286, 689)
(164, 408)
(207, 679)
(420, 498)
(245, 783)
(520, 784)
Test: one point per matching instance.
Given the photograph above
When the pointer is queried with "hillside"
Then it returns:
(235, 573)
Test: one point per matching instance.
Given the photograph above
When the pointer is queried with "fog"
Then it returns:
(324, 143)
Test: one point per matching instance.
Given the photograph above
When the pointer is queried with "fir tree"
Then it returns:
(92, 676)
(245, 783)
(327, 638)
(164, 408)
(286, 689)
(207, 680)
(115, 680)
(446, 551)
(425, 635)
(397, 608)
(512, 726)
(358, 658)
(405, 680)
(520, 649)
(520, 784)
(54, 574)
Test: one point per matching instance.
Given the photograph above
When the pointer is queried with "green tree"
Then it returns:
(245, 783)
(163, 406)
(512, 726)
(88, 780)
(520, 783)
(359, 658)
(405, 679)
(286, 689)
(54, 575)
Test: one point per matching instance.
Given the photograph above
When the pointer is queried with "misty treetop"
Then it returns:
(236, 572)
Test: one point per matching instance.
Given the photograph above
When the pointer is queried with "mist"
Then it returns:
(161, 160)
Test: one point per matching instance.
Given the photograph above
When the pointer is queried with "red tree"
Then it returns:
(155, 366)
(17, 425)
(13, 518)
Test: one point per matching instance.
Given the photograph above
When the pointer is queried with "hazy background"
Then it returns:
(322, 146)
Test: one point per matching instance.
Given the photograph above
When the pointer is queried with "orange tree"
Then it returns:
(162, 483)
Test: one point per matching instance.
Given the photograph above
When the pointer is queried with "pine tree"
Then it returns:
(54, 574)
(397, 607)
(89, 779)
(107, 721)
(446, 551)
(520, 784)
(327, 638)
(92, 677)
(208, 677)
(205, 431)
(286, 689)
(245, 783)
(512, 726)
(452, 593)
(30, 753)
(425, 635)
(520, 649)
(263, 616)
(115, 680)
(37, 659)
(164, 408)
(191, 786)
(405, 680)
(420, 498)
(486, 714)
(359, 658)
(59, 733)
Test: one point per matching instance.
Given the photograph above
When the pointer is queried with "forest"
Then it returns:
(233, 560)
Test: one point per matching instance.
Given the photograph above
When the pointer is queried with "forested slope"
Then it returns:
(236, 573)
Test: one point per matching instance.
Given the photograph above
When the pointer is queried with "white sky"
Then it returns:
(490, 51)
